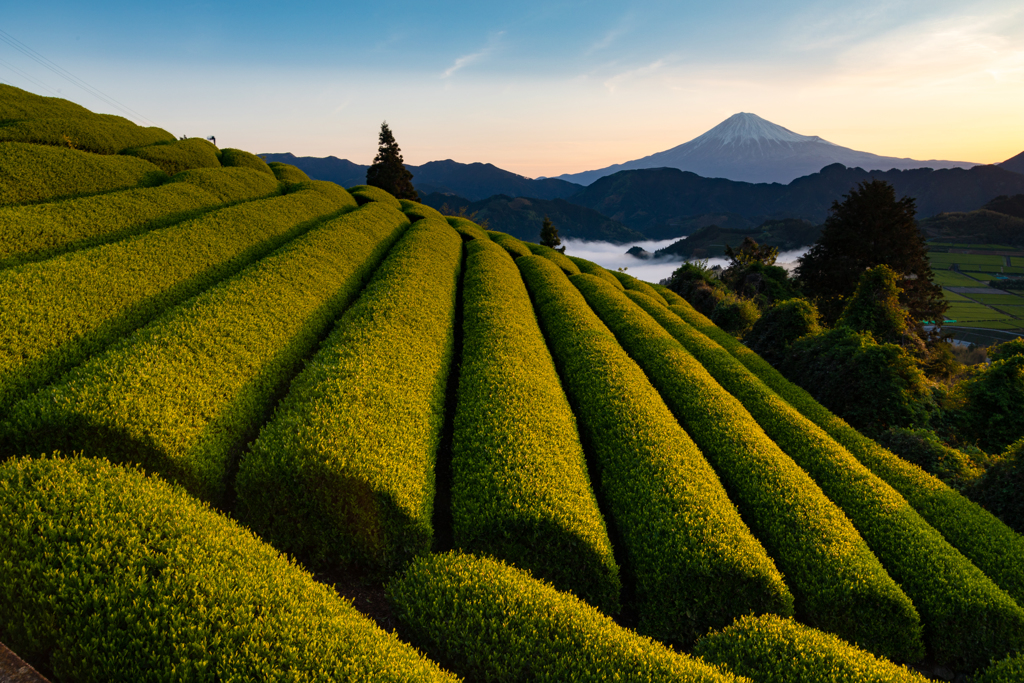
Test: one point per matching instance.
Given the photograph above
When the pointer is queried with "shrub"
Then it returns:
(368, 193)
(236, 157)
(998, 489)
(839, 585)
(415, 211)
(34, 173)
(986, 541)
(875, 307)
(630, 282)
(32, 233)
(287, 173)
(467, 228)
(16, 103)
(180, 155)
(492, 622)
(69, 307)
(966, 617)
(510, 244)
(182, 395)
(99, 133)
(343, 475)
(734, 315)
(1009, 670)
(923, 448)
(1014, 347)
(134, 580)
(988, 406)
(770, 649)
(781, 325)
(555, 256)
(520, 487)
(694, 562)
(592, 268)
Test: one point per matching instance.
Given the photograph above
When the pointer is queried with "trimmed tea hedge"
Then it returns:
(520, 487)
(112, 575)
(770, 649)
(31, 233)
(16, 103)
(695, 563)
(100, 133)
(183, 395)
(36, 173)
(287, 173)
(630, 282)
(1009, 670)
(467, 228)
(967, 618)
(839, 584)
(180, 155)
(416, 211)
(237, 157)
(344, 472)
(591, 268)
(64, 309)
(988, 543)
(559, 259)
(369, 193)
(510, 244)
(491, 622)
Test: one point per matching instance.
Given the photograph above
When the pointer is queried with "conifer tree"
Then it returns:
(549, 235)
(388, 171)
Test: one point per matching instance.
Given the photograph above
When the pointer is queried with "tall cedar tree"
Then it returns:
(549, 235)
(388, 171)
(867, 229)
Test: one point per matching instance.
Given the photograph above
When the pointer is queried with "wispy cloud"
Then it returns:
(633, 74)
(466, 60)
(624, 26)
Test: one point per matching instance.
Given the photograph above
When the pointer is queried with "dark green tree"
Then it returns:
(549, 235)
(870, 228)
(875, 307)
(388, 171)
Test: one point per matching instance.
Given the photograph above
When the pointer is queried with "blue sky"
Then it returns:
(541, 88)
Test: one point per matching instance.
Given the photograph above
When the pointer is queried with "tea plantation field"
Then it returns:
(218, 376)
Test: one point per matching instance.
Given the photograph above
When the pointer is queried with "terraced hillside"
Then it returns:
(554, 471)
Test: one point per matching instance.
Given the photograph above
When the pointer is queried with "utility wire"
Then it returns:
(27, 77)
(68, 76)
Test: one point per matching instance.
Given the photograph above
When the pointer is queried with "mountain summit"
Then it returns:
(746, 147)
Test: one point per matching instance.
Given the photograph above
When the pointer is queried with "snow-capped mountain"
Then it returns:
(748, 148)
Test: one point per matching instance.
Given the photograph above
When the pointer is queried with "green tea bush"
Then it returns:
(491, 622)
(559, 259)
(467, 228)
(110, 575)
(343, 474)
(967, 618)
(770, 649)
(956, 467)
(630, 282)
(34, 173)
(179, 155)
(839, 585)
(592, 268)
(694, 562)
(510, 244)
(62, 310)
(999, 488)
(32, 233)
(99, 133)
(237, 157)
(369, 193)
(182, 395)
(16, 103)
(987, 542)
(287, 173)
(520, 487)
(415, 211)
(1009, 670)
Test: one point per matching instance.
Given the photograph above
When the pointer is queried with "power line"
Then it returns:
(27, 77)
(68, 76)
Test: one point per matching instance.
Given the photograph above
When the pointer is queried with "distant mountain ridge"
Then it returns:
(474, 181)
(747, 148)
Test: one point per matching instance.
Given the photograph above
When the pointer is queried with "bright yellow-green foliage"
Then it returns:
(237, 157)
(967, 618)
(369, 193)
(344, 472)
(668, 295)
(1009, 670)
(991, 545)
(109, 575)
(591, 268)
(416, 211)
(492, 622)
(287, 173)
(182, 395)
(36, 173)
(467, 228)
(31, 233)
(630, 282)
(16, 103)
(99, 133)
(774, 650)
(838, 583)
(179, 155)
(57, 312)
(520, 487)
(694, 561)
(559, 259)
(510, 244)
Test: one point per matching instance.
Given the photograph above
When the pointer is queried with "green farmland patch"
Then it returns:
(949, 278)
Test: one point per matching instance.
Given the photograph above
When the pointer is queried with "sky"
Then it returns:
(537, 88)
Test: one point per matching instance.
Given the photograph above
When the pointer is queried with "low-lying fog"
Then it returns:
(614, 256)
